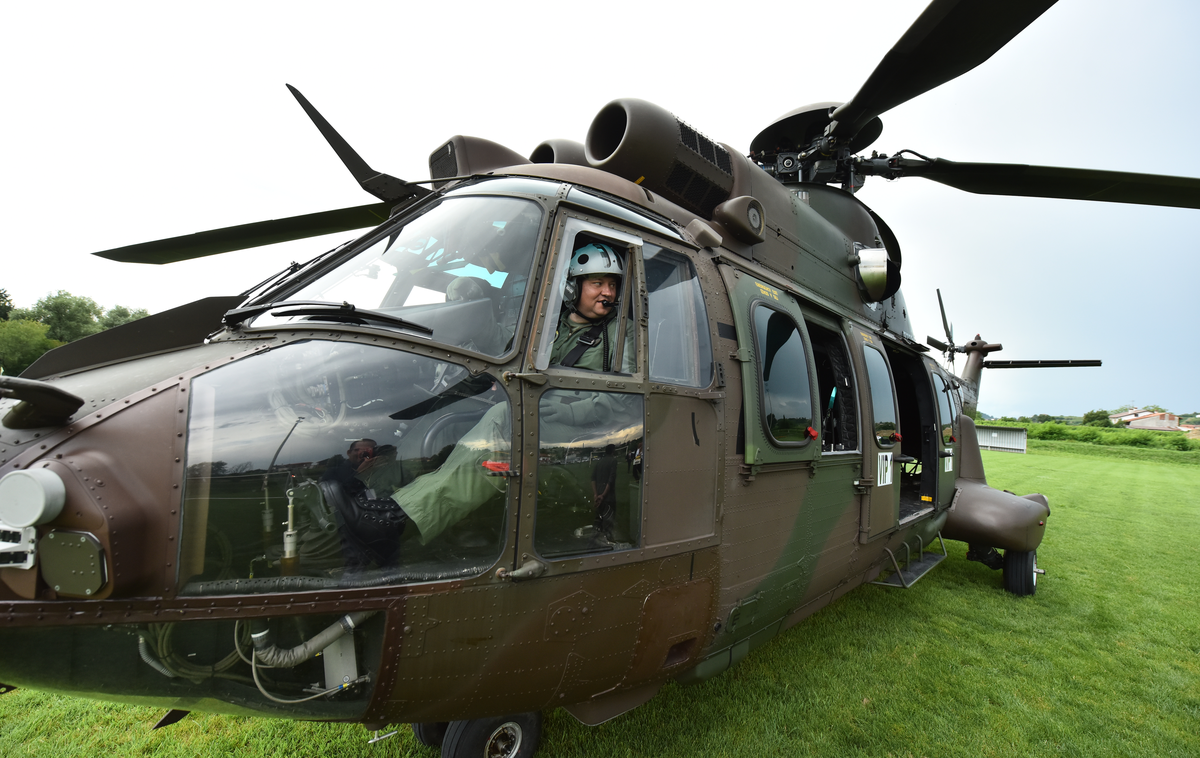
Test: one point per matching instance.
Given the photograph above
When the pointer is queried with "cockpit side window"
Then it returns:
(680, 344)
(585, 327)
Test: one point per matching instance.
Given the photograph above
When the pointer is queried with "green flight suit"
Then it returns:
(567, 337)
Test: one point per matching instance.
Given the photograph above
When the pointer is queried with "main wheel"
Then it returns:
(431, 733)
(497, 737)
(1020, 572)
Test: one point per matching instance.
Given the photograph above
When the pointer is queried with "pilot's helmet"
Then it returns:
(465, 288)
(595, 259)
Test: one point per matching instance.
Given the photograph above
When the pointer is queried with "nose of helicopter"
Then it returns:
(91, 467)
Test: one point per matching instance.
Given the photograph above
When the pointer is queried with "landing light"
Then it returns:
(32, 497)
(870, 271)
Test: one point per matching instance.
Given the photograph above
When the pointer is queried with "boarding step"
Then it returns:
(913, 569)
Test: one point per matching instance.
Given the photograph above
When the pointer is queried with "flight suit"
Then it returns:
(567, 337)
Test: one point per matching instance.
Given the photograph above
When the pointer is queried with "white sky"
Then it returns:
(127, 122)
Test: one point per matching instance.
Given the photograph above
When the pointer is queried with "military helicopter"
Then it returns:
(178, 495)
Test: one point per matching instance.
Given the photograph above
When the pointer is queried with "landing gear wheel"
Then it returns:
(1020, 572)
(431, 733)
(497, 737)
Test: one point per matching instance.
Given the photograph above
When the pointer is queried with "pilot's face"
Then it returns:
(593, 292)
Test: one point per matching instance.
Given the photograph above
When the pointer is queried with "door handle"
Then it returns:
(531, 569)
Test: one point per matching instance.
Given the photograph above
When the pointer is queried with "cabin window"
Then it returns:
(883, 404)
(783, 377)
(835, 390)
(945, 408)
(680, 347)
(591, 446)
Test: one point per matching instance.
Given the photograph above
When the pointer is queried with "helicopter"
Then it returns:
(781, 437)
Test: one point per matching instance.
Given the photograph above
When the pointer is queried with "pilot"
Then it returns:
(587, 328)
(587, 334)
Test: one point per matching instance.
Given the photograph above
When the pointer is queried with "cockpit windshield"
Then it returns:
(459, 270)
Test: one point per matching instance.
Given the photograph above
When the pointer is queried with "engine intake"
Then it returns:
(645, 144)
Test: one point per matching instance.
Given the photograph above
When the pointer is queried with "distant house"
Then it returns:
(1137, 418)
(1120, 416)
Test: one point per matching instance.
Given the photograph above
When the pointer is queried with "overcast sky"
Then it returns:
(127, 122)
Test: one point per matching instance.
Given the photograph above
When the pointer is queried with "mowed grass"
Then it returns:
(1103, 660)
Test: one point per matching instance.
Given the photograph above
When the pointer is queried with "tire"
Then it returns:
(497, 737)
(430, 733)
(1020, 572)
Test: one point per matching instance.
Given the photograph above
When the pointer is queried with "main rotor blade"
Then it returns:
(382, 186)
(1048, 181)
(945, 323)
(1042, 364)
(950, 38)
(244, 236)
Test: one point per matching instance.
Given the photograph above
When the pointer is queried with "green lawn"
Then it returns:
(1103, 660)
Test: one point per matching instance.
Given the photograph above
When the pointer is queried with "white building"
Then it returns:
(1137, 418)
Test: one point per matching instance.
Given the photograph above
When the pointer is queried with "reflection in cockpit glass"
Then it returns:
(589, 472)
(460, 268)
(324, 464)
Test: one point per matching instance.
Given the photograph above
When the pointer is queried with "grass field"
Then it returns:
(1103, 660)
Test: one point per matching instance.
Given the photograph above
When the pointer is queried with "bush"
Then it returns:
(1138, 439)
(1049, 431)
(1177, 442)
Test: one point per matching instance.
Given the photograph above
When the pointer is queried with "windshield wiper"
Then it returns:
(327, 311)
(349, 314)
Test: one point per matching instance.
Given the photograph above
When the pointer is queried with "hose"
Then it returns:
(270, 655)
(150, 660)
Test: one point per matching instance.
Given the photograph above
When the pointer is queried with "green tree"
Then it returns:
(22, 343)
(68, 316)
(6, 305)
(1098, 417)
(119, 315)
(1155, 409)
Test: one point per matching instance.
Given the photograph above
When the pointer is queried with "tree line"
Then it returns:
(1097, 418)
(27, 333)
